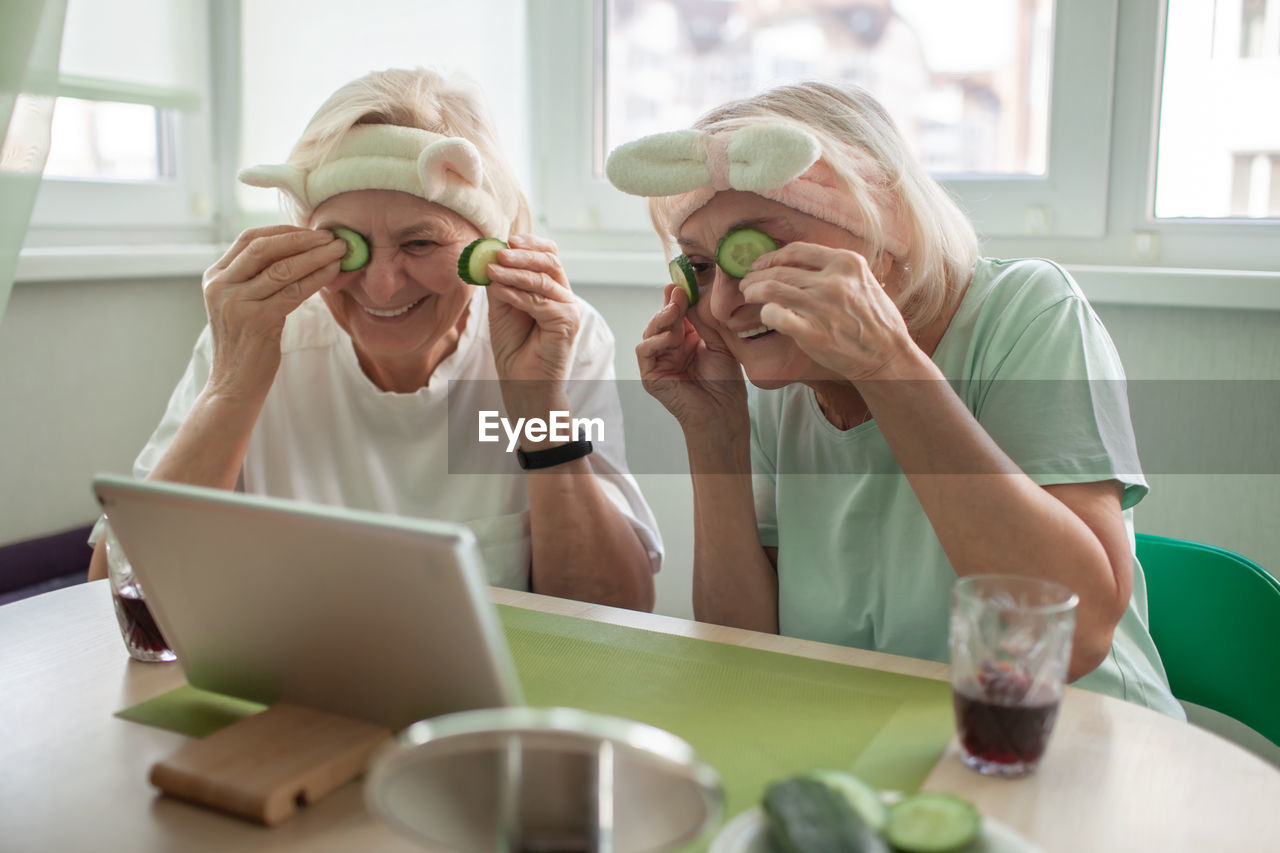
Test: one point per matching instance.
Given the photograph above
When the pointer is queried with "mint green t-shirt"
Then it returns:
(858, 561)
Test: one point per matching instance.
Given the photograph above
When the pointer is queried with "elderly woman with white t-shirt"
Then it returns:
(920, 412)
(366, 386)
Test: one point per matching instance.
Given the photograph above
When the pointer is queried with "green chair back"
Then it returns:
(1215, 618)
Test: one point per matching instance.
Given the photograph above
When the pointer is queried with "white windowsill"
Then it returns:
(1104, 285)
(115, 262)
(1182, 288)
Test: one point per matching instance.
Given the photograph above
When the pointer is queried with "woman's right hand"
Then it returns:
(266, 274)
(686, 366)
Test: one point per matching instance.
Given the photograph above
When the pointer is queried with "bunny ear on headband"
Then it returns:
(778, 161)
(758, 157)
(444, 170)
(290, 180)
(449, 158)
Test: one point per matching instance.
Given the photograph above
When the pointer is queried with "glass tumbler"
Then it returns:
(138, 627)
(1010, 646)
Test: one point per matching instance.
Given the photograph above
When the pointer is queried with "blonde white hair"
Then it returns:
(417, 98)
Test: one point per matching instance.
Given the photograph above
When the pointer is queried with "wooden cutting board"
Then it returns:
(265, 767)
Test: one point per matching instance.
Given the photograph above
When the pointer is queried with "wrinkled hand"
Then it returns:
(248, 292)
(533, 315)
(830, 303)
(686, 366)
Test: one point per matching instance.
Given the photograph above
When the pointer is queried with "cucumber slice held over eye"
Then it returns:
(738, 250)
(684, 277)
(357, 249)
(475, 259)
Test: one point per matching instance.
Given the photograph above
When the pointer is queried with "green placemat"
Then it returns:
(191, 711)
(753, 715)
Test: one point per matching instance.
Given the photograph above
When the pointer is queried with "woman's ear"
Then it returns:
(892, 274)
(888, 267)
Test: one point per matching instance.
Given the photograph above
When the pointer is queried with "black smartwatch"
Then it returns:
(553, 455)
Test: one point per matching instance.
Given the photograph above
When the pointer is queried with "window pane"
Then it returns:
(284, 80)
(1219, 148)
(153, 42)
(99, 140)
(967, 83)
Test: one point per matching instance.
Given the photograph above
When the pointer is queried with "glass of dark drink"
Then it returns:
(1010, 645)
(138, 627)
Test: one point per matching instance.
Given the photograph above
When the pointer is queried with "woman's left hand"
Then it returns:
(533, 315)
(831, 304)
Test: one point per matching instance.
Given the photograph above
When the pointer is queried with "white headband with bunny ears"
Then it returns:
(441, 169)
(779, 161)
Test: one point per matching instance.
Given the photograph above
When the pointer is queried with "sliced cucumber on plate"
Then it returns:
(834, 810)
(932, 823)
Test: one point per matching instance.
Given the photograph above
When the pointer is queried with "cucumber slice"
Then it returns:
(739, 249)
(476, 257)
(357, 249)
(683, 276)
(932, 823)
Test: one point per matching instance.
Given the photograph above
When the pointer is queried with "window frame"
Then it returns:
(1134, 237)
(1064, 200)
(183, 209)
(1094, 206)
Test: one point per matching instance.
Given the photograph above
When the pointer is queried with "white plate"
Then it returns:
(746, 833)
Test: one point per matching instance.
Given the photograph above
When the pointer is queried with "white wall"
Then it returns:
(1237, 511)
(86, 369)
(670, 495)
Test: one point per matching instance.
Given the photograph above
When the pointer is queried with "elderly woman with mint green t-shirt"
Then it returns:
(919, 412)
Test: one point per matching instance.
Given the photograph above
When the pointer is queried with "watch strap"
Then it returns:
(553, 456)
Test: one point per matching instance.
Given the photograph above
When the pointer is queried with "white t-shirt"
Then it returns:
(328, 435)
(858, 561)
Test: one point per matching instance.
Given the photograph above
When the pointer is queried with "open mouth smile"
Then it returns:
(392, 312)
(751, 334)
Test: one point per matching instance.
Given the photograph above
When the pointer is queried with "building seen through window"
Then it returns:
(967, 83)
(105, 140)
(1219, 142)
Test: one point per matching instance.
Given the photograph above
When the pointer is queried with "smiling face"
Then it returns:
(770, 359)
(406, 308)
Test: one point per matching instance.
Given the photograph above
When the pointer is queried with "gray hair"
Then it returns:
(417, 98)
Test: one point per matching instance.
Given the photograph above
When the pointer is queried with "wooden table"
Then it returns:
(74, 777)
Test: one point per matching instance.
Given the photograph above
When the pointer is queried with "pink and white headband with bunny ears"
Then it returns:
(441, 169)
(776, 160)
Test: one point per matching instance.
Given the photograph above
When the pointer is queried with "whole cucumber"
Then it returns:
(805, 815)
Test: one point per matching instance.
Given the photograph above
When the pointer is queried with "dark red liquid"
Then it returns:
(137, 623)
(1004, 733)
